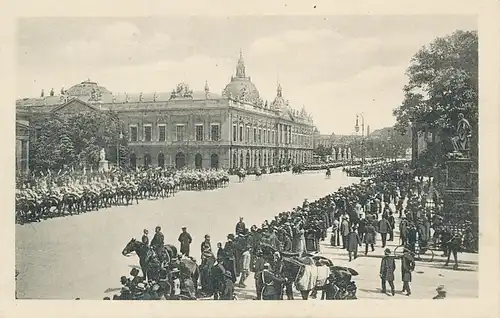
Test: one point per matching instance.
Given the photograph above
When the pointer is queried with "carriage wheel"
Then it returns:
(426, 255)
(399, 251)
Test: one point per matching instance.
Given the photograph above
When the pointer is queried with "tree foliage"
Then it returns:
(76, 140)
(323, 151)
(443, 81)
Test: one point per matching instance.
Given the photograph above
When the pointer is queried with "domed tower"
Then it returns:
(87, 90)
(279, 102)
(241, 87)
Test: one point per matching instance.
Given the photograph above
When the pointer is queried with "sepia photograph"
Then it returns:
(244, 158)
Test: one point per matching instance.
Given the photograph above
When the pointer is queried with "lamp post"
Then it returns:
(120, 136)
(356, 127)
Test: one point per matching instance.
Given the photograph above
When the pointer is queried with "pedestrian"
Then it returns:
(369, 237)
(441, 292)
(240, 227)
(344, 230)
(361, 227)
(145, 238)
(228, 292)
(387, 268)
(229, 254)
(353, 241)
(384, 228)
(403, 231)
(245, 270)
(392, 223)
(185, 239)
(336, 232)
(407, 267)
(259, 267)
(220, 251)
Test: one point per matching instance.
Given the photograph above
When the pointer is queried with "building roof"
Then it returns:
(241, 87)
(86, 88)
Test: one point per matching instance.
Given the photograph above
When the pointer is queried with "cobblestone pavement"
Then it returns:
(80, 256)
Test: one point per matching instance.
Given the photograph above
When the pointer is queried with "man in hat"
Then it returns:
(273, 239)
(207, 258)
(441, 292)
(228, 291)
(271, 284)
(353, 241)
(335, 241)
(158, 240)
(383, 228)
(185, 239)
(145, 238)
(407, 267)
(229, 254)
(344, 230)
(259, 267)
(240, 227)
(387, 268)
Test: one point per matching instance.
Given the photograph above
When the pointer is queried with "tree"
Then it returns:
(76, 140)
(443, 82)
(323, 151)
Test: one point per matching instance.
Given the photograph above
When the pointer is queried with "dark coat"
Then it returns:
(227, 293)
(353, 241)
(240, 228)
(271, 283)
(185, 239)
(384, 226)
(407, 267)
(229, 250)
(387, 268)
(369, 237)
(158, 240)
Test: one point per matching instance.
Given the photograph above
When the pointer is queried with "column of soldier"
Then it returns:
(61, 194)
(262, 250)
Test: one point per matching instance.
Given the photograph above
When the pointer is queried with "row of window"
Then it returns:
(267, 136)
(180, 132)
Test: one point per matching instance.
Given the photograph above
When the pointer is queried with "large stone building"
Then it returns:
(197, 129)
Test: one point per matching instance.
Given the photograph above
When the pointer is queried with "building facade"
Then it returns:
(197, 129)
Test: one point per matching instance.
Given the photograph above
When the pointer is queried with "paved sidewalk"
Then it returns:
(461, 283)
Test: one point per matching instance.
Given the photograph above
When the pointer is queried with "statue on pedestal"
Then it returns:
(461, 142)
(102, 155)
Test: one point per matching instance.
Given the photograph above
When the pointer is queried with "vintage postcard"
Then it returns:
(312, 152)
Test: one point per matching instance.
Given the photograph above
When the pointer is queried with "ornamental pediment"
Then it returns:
(182, 91)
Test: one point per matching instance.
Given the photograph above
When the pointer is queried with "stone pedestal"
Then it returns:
(103, 165)
(461, 194)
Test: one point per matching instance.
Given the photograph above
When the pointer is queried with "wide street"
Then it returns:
(80, 256)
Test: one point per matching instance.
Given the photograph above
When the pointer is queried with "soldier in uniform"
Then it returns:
(158, 240)
(240, 227)
(272, 284)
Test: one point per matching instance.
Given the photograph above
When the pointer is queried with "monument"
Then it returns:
(461, 181)
(103, 163)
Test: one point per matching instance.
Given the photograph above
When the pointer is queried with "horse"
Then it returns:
(241, 175)
(309, 273)
(258, 174)
(143, 251)
(27, 210)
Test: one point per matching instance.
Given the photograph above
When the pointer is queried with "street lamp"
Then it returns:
(356, 127)
(120, 137)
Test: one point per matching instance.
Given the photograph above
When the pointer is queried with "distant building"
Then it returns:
(22, 142)
(197, 129)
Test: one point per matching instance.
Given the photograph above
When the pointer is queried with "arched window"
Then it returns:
(241, 160)
(248, 160)
(214, 161)
(198, 161)
(147, 160)
(133, 161)
(235, 160)
(161, 160)
(180, 160)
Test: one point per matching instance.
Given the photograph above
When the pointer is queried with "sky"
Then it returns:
(335, 66)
